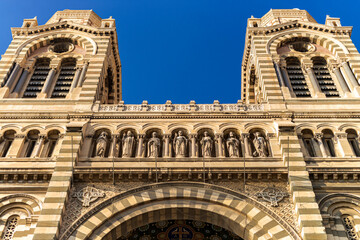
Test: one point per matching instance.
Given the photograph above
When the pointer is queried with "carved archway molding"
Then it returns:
(217, 205)
(326, 41)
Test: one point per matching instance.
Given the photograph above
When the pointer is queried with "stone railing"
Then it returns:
(169, 107)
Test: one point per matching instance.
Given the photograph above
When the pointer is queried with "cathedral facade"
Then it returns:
(283, 162)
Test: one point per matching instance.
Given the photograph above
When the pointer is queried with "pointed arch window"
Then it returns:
(324, 78)
(297, 78)
(10, 227)
(66, 76)
(36, 83)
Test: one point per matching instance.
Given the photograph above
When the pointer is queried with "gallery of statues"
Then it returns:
(77, 162)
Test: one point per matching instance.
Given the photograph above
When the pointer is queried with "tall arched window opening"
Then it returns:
(31, 140)
(308, 137)
(36, 83)
(324, 78)
(9, 137)
(66, 76)
(328, 142)
(296, 77)
(10, 227)
(352, 139)
(52, 139)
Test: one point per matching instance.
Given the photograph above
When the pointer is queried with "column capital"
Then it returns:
(141, 136)
(19, 135)
(193, 135)
(318, 136)
(42, 136)
(89, 136)
(245, 135)
(168, 135)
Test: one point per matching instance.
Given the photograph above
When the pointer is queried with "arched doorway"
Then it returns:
(232, 211)
(180, 229)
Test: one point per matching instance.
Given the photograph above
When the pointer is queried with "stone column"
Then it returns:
(140, 148)
(220, 146)
(82, 75)
(21, 82)
(246, 137)
(38, 146)
(279, 74)
(113, 146)
(350, 75)
(339, 152)
(318, 138)
(341, 80)
(166, 145)
(75, 79)
(314, 81)
(48, 81)
(12, 78)
(193, 145)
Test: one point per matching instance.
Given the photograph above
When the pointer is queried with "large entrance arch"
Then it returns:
(189, 201)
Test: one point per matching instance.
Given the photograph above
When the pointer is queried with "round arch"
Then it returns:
(231, 210)
(28, 47)
(333, 45)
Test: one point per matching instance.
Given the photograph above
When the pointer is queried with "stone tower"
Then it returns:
(281, 163)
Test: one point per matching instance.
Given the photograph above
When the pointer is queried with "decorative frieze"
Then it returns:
(181, 107)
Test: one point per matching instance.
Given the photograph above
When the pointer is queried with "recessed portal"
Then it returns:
(180, 230)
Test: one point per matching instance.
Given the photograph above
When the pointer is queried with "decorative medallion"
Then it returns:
(88, 195)
(272, 195)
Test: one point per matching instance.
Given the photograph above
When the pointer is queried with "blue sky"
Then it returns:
(178, 50)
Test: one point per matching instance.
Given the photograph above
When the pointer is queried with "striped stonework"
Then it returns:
(57, 192)
(180, 200)
(333, 207)
(25, 207)
(303, 196)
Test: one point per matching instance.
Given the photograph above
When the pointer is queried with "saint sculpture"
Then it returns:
(206, 145)
(180, 143)
(128, 143)
(153, 147)
(260, 145)
(101, 143)
(233, 145)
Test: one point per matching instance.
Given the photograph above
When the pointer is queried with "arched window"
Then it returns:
(31, 140)
(349, 226)
(352, 139)
(296, 77)
(36, 83)
(252, 82)
(308, 137)
(323, 77)
(66, 76)
(52, 139)
(328, 142)
(10, 227)
(8, 140)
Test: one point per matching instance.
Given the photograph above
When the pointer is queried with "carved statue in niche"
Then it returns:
(233, 145)
(260, 145)
(101, 143)
(153, 147)
(180, 143)
(206, 145)
(128, 143)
